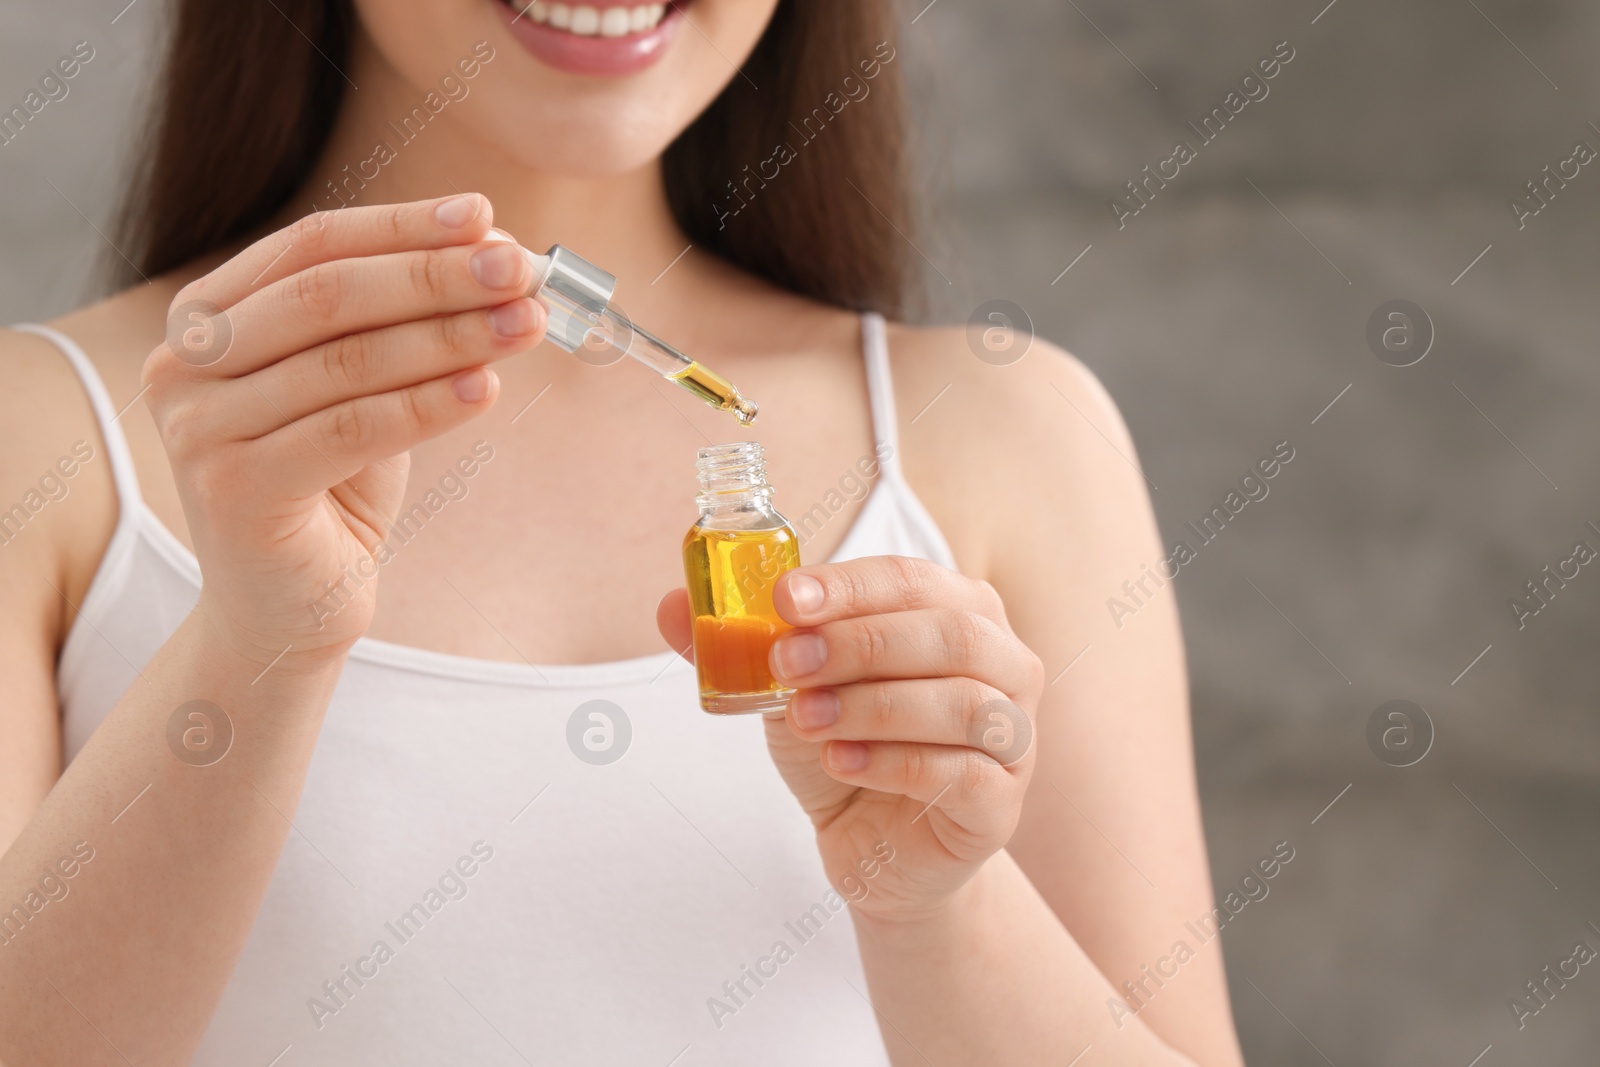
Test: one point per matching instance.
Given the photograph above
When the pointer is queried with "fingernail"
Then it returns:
(800, 654)
(470, 387)
(515, 319)
(456, 212)
(816, 708)
(806, 592)
(497, 266)
(847, 756)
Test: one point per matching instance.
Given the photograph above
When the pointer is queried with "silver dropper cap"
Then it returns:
(576, 292)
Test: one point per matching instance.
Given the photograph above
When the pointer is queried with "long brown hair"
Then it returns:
(249, 93)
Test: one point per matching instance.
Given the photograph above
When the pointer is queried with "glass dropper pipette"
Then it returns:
(578, 296)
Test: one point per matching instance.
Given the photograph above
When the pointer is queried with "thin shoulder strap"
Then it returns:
(880, 392)
(116, 443)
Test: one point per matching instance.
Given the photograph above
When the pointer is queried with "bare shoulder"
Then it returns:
(1003, 452)
(58, 502)
(117, 333)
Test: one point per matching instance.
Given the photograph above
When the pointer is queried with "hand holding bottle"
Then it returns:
(293, 381)
(912, 723)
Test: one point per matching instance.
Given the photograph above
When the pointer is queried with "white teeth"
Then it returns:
(584, 21)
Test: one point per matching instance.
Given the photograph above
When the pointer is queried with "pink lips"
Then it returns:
(595, 56)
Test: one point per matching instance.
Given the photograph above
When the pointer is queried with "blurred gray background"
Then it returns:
(1225, 317)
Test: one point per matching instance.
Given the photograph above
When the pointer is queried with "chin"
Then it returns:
(583, 89)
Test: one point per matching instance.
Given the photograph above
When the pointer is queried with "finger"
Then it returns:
(908, 644)
(346, 233)
(363, 364)
(329, 446)
(876, 585)
(937, 711)
(674, 621)
(966, 785)
(345, 296)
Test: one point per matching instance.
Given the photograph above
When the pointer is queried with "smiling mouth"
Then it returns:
(582, 20)
(602, 38)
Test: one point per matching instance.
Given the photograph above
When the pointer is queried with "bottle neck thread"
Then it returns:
(732, 476)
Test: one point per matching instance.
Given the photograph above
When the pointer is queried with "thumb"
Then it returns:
(675, 624)
(372, 497)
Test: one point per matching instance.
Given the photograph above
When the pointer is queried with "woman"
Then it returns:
(257, 808)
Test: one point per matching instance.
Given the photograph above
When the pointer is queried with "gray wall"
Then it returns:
(1393, 141)
(1416, 506)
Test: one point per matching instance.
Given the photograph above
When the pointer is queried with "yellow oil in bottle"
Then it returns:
(730, 575)
(717, 391)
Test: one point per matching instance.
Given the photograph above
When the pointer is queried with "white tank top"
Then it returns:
(460, 887)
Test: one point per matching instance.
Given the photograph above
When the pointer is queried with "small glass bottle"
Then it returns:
(732, 557)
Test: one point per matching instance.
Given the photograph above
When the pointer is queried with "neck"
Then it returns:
(620, 221)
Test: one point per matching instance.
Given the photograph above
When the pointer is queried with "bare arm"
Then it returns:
(153, 868)
(1110, 834)
(995, 978)
(1027, 962)
(139, 875)
(42, 414)
(76, 932)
